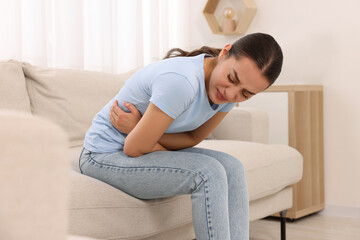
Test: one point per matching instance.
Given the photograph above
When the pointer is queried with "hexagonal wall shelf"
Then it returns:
(243, 22)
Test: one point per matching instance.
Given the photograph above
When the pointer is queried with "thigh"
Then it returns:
(154, 175)
(229, 162)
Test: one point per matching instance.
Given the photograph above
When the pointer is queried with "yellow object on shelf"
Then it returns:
(229, 13)
(229, 23)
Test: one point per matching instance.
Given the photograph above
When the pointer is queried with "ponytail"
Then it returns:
(177, 52)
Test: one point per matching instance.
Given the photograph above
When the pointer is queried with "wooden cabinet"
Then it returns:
(305, 130)
(296, 118)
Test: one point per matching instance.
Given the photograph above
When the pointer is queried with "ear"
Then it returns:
(224, 51)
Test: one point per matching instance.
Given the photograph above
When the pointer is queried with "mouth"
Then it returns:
(220, 96)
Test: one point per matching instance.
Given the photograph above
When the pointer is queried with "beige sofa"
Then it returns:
(69, 99)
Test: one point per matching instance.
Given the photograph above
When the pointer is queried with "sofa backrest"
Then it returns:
(70, 98)
(13, 93)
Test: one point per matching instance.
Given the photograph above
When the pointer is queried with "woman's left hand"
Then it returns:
(123, 121)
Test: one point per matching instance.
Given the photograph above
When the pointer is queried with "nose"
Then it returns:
(231, 94)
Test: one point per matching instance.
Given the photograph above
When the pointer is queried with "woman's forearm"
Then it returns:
(177, 141)
(169, 141)
(137, 153)
(126, 122)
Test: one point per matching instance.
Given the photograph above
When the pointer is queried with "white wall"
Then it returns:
(321, 44)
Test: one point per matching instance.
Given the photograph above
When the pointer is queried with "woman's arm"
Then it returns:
(125, 122)
(147, 132)
(176, 141)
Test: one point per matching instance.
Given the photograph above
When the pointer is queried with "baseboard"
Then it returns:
(341, 211)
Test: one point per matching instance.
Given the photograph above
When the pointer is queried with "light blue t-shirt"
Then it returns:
(175, 85)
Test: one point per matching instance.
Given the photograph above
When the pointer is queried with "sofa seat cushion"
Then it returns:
(13, 93)
(73, 237)
(269, 167)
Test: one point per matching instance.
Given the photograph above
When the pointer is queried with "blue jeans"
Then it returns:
(215, 180)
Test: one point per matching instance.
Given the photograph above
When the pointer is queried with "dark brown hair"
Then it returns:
(260, 47)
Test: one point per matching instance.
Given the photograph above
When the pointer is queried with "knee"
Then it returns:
(212, 169)
(234, 169)
(237, 169)
(231, 164)
(238, 166)
(237, 175)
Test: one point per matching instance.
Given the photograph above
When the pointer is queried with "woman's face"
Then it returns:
(234, 80)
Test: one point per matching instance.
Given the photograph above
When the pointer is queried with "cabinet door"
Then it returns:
(296, 119)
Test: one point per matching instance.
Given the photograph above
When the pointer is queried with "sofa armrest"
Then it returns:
(34, 170)
(245, 124)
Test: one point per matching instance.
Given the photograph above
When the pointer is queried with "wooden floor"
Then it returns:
(313, 227)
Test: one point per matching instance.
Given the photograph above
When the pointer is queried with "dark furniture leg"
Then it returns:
(283, 224)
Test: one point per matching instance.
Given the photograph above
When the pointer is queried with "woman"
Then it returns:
(141, 141)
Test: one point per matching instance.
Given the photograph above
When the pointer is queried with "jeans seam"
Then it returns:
(207, 207)
(80, 159)
(180, 169)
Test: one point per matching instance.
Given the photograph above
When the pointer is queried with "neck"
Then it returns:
(209, 65)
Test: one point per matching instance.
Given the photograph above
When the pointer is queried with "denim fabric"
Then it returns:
(215, 180)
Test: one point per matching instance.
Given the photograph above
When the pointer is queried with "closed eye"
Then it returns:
(230, 80)
(244, 94)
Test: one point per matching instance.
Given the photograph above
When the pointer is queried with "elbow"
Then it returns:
(131, 150)
(195, 140)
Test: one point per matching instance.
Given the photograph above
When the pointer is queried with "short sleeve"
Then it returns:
(227, 107)
(172, 93)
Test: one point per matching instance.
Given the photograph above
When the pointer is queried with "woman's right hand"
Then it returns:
(123, 121)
